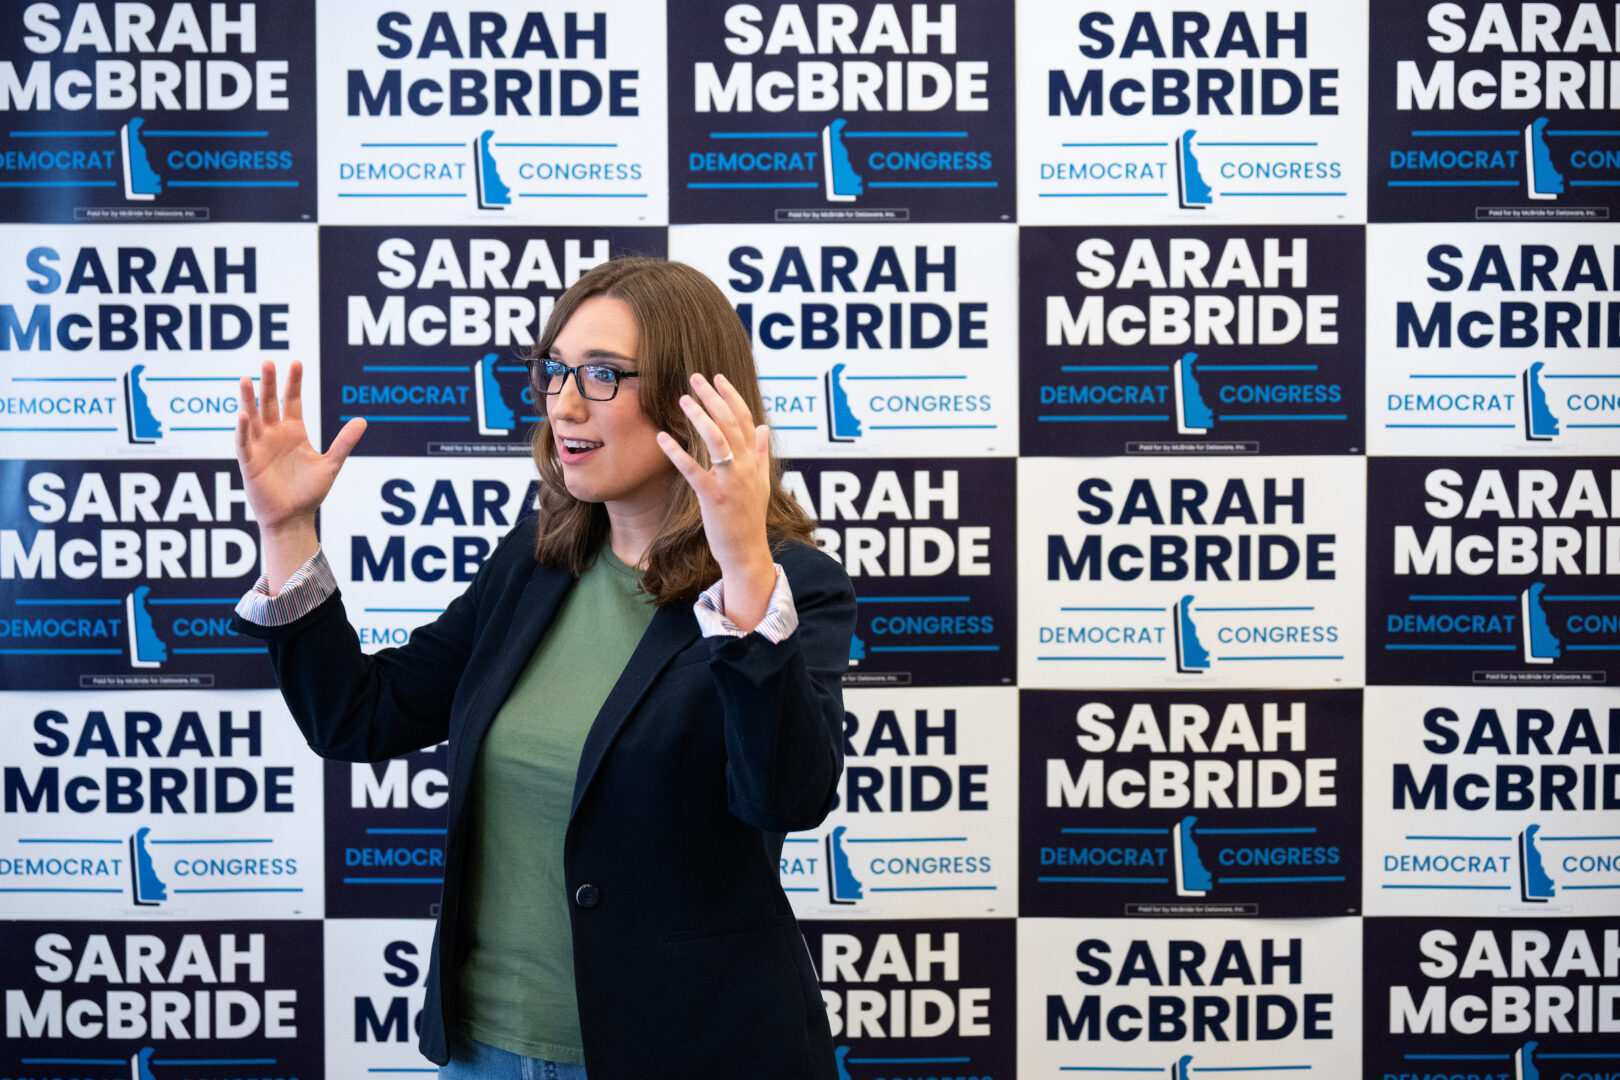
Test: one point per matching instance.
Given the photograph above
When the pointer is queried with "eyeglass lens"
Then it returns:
(596, 382)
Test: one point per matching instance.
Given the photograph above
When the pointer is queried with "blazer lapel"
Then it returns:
(672, 629)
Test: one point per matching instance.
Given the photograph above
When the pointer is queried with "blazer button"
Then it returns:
(587, 896)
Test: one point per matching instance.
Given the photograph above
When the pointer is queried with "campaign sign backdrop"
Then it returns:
(162, 1000)
(924, 805)
(920, 540)
(1215, 570)
(1191, 340)
(1491, 997)
(385, 828)
(1493, 339)
(874, 340)
(841, 112)
(1141, 110)
(1493, 572)
(173, 805)
(424, 330)
(918, 997)
(504, 114)
(1491, 801)
(406, 536)
(158, 111)
(376, 980)
(122, 340)
(1190, 802)
(1177, 997)
(1485, 111)
(122, 575)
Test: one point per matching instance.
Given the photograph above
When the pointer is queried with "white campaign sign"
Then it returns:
(405, 536)
(877, 340)
(376, 979)
(1493, 339)
(508, 114)
(1232, 571)
(1176, 997)
(1491, 802)
(926, 801)
(126, 341)
(163, 804)
(1151, 112)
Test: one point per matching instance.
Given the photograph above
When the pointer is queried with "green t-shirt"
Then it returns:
(515, 987)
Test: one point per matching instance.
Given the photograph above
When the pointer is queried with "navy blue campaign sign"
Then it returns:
(1485, 111)
(1192, 340)
(841, 112)
(123, 575)
(1183, 803)
(162, 1001)
(1485, 998)
(120, 112)
(385, 827)
(918, 997)
(1492, 571)
(423, 329)
(929, 546)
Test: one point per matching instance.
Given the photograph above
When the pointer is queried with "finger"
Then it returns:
(706, 428)
(344, 441)
(249, 405)
(688, 468)
(241, 435)
(720, 412)
(734, 399)
(762, 443)
(294, 405)
(269, 407)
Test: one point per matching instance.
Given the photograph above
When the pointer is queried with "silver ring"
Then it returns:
(725, 462)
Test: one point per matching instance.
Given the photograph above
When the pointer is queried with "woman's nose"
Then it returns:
(567, 402)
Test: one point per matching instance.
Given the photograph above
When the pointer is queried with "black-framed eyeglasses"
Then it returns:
(595, 382)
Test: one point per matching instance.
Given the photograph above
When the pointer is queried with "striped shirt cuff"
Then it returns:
(308, 588)
(780, 620)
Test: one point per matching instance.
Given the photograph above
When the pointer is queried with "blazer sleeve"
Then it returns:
(784, 703)
(357, 707)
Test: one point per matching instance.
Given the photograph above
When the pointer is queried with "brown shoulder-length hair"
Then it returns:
(685, 325)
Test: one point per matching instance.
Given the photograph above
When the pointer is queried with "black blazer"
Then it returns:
(687, 958)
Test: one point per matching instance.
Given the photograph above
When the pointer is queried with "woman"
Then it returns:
(620, 776)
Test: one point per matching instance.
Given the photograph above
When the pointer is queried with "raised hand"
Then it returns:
(285, 477)
(733, 492)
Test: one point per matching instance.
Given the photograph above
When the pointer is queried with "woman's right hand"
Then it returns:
(286, 479)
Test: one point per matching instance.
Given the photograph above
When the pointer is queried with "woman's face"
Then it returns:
(608, 449)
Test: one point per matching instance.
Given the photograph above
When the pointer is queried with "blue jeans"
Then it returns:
(471, 1060)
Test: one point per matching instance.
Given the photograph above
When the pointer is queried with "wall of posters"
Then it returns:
(1215, 408)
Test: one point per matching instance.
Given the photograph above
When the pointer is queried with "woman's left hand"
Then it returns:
(733, 492)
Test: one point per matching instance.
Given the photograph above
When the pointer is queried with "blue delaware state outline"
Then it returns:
(1093, 612)
(561, 117)
(130, 340)
(1494, 339)
(871, 339)
(1097, 144)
